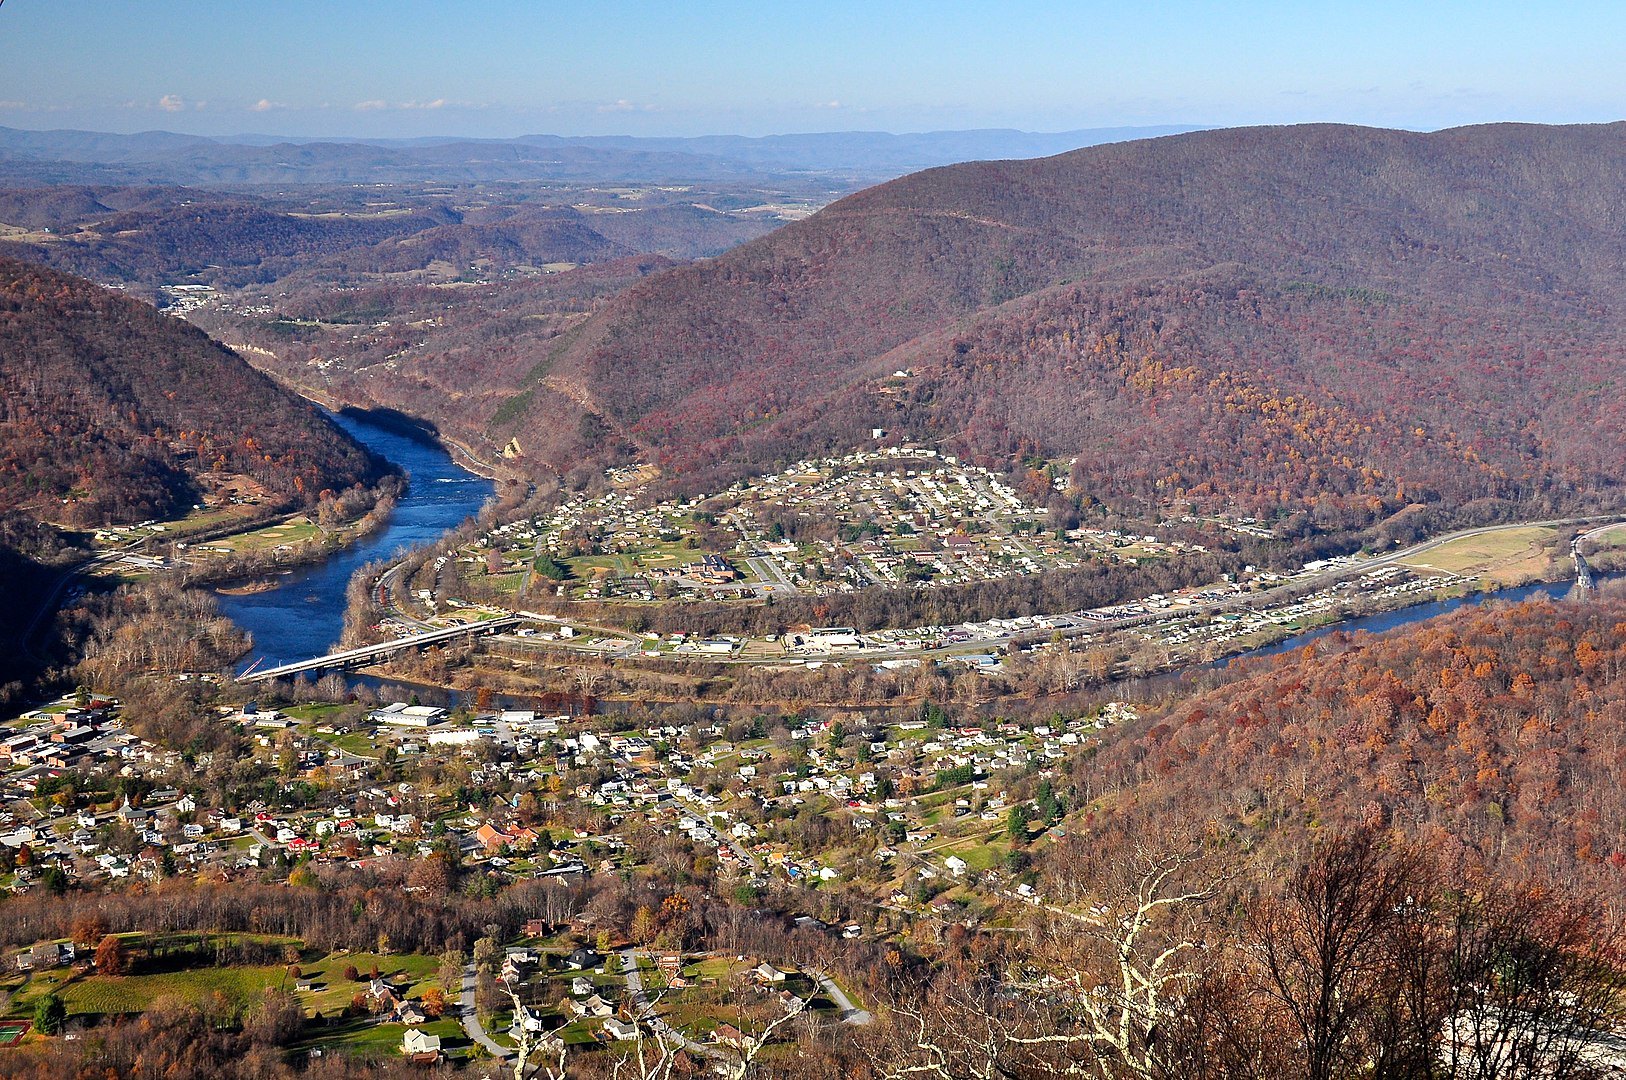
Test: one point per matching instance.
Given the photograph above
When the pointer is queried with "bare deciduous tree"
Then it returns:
(1326, 943)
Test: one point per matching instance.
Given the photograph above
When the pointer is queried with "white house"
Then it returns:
(416, 1042)
(620, 1030)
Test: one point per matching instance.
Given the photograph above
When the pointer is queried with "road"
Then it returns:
(850, 1013)
(471, 1018)
(724, 838)
(1300, 586)
(643, 1011)
(48, 606)
(389, 584)
(1593, 534)
(770, 574)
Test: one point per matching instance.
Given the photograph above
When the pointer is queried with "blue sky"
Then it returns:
(687, 67)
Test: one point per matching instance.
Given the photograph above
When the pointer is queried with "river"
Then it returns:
(303, 616)
(1389, 620)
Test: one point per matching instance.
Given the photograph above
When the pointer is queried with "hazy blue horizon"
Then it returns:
(507, 68)
(453, 136)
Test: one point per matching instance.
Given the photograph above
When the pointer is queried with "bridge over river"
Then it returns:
(368, 653)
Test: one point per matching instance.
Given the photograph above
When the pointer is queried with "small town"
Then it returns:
(878, 825)
(897, 517)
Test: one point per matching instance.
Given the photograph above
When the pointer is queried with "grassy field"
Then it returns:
(661, 555)
(720, 968)
(207, 520)
(508, 583)
(412, 972)
(314, 713)
(117, 995)
(290, 532)
(1614, 538)
(352, 743)
(587, 567)
(241, 986)
(366, 1037)
(1504, 557)
(979, 855)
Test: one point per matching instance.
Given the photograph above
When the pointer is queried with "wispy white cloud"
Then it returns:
(266, 105)
(380, 105)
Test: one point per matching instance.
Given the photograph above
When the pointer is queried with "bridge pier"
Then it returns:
(1585, 586)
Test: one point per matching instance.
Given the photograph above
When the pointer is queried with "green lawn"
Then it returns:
(205, 520)
(352, 743)
(290, 532)
(717, 967)
(116, 995)
(314, 713)
(241, 986)
(413, 972)
(506, 582)
(582, 567)
(366, 1037)
(979, 856)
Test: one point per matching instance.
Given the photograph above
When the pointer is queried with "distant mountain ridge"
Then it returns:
(69, 157)
(1339, 321)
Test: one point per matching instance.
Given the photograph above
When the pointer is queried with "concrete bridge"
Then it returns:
(368, 653)
(1584, 584)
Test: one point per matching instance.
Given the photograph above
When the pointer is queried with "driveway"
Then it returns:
(642, 1010)
(850, 1013)
(471, 1019)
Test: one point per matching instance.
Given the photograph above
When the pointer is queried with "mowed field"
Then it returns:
(104, 996)
(1504, 557)
(294, 531)
(1613, 538)
(237, 986)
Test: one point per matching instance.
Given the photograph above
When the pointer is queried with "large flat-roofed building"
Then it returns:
(403, 715)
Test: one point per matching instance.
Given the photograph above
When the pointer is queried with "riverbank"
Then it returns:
(471, 461)
(248, 589)
(1381, 621)
(496, 672)
(303, 615)
(222, 573)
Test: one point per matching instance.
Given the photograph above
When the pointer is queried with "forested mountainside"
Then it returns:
(1339, 320)
(111, 411)
(1496, 736)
